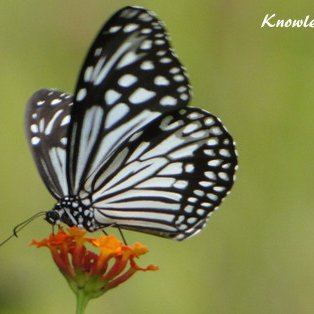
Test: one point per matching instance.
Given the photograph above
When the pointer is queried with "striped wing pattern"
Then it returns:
(130, 77)
(168, 177)
(126, 145)
(47, 122)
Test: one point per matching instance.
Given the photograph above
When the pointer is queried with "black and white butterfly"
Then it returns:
(125, 150)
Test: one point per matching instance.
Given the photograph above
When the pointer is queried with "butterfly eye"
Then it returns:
(126, 150)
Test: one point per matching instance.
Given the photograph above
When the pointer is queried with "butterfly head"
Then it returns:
(73, 213)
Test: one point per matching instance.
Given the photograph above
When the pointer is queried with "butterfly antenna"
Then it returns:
(21, 226)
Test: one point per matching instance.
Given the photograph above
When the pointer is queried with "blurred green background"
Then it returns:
(256, 255)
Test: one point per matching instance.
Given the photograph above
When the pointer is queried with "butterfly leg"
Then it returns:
(120, 231)
(104, 232)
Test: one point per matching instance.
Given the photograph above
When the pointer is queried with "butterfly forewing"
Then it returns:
(129, 78)
(169, 177)
(47, 122)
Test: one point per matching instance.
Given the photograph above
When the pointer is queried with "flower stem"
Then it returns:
(81, 301)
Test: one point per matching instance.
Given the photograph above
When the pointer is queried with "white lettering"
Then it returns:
(288, 23)
(305, 24)
(266, 20)
(270, 21)
(297, 23)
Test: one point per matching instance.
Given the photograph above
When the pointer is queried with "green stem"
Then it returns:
(81, 301)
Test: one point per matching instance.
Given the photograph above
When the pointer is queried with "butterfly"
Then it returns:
(125, 150)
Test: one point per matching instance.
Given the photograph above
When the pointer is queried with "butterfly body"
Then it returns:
(126, 150)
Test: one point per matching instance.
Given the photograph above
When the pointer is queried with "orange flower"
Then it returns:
(90, 274)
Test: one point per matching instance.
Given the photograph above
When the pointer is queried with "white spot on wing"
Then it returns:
(165, 60)
(147, 44)
(205, 184)
(114, 29)
(200, 212)
(159, 42)
(200, 134)
(189, 209)
(147, 65)
(210, 175)
(141, 95)
(182, 89)
(35, 140)
(111, 96)
(88, 74)
(64, 140)
(55, 101)
(129, 58)
(184, 97)
(212, 196)
(224, 176)
(195, 115)
(161, 81)
(215, 163)
(34, 128)
(224, 152)
(52, 121)
(168, 101)
(161, 53)
(115, 114)
(216, 130)
(209, 152)
(192, 220)
(81, 94)
(145, 17)
(181, 184)
(209, 121)
(212, 142)
(127, 80)
(219, 188)
(191, 127)
(98, 52)
(146, 31)
(174, 70)
(178, 78)
(199, 193)
(130, 28)
(189, 168)
(66, 120)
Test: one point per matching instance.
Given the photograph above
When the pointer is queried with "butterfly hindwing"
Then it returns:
(47, 121)
(169, 177)
(129, 78)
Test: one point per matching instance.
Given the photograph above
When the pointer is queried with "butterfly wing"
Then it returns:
(47, 120)
(169, 177)
(130, 77)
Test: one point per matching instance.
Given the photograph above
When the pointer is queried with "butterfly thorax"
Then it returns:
(72, 212)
